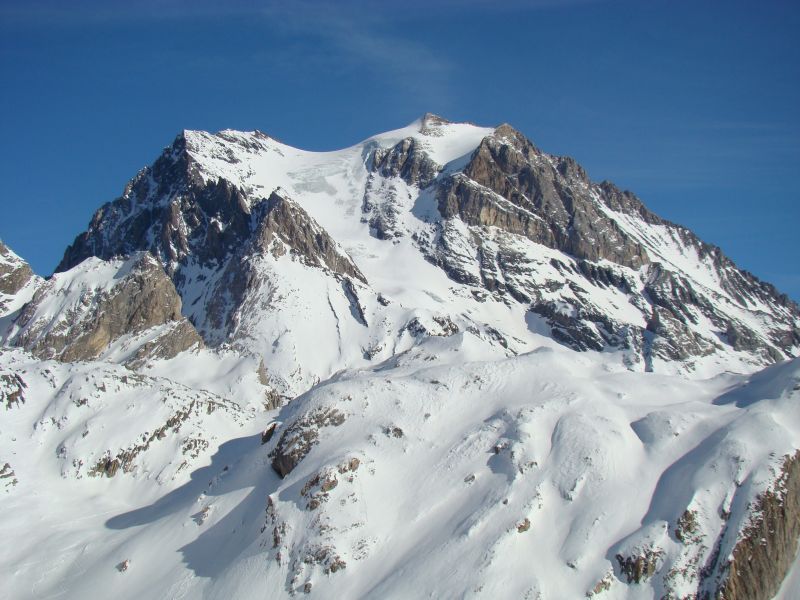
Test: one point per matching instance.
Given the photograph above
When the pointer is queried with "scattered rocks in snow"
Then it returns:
(373, 351)
(300, 436)
(12, 390)
(351, 465)
(325, 482)
(8, 477)
(638, 568)
(686, 529)
(524, 525)
(267, 434)
(278, 528)
(325, 556)
(335, 564)
(393, 431)
(328, 484)
(193, 447)
(124, 459)
(200, 517)
(438, 326)
(601, 586)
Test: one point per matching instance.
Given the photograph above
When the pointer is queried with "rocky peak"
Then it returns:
(225, 145)
(508, 183)
(406, 160)
(430, 124)
(506, 134)
(15, 273)
(429, 345)
(485, 205)
(283, 226)
(509, 188)
(78, 315)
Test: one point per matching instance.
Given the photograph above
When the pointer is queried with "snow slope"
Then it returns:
(404, 218)
(451, 472)
(414, 383)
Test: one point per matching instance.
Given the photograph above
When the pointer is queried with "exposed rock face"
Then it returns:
(17, 284)
(205, 243)
(674, 339)
(284, 226)
(14, 272)
(384, 205)
(12, 390)
(607, 240)
(172, 339)
(298, 439)
(143, 218)
(641, 567)
(140, 297)
(281, 227)
(592, 264)
(174, 212)
(768, 545)
(512, 185)
(407, 161)
(209, 230)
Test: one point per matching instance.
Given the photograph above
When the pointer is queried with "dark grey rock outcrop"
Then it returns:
(285, 222)
(407, 161)
(298, 438)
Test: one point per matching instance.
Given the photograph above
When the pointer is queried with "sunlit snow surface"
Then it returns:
(333, 187)
(485, 470)
(597, 461)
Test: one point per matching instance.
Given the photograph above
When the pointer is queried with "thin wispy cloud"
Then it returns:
(345, 36)
(350, 34)
(362, 41)
(58, 11)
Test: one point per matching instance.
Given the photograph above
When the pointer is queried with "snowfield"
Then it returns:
(361, 374)
(444, 473)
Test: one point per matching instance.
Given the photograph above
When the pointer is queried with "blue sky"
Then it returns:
(694, 106)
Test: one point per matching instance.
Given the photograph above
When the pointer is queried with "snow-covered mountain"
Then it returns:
(439, 363)
(472, 223)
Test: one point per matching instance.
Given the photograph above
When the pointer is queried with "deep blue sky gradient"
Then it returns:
(694, 106)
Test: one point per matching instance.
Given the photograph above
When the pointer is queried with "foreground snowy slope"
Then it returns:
(440, 363)
(446, 473)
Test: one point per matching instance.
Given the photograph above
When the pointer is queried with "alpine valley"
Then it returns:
(441, 363)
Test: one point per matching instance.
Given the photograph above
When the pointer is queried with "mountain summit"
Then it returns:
(438, 363)
(508, 237)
